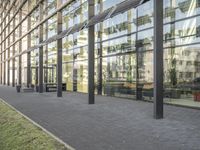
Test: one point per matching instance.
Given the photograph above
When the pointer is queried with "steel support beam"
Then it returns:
(20, 49)
(91, 41)
(8, 62)
(99, 71)
(13, 61)
(4, 64)
(28, 46)
(40, 52)
(158, 59)
(59, 51)
(99, 60)
(36, 74)
(1, 26)
(46, 46)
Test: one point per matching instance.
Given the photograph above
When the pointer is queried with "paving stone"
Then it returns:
(111, 124)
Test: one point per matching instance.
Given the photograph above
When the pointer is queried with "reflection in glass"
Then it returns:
(182, 75)
(119, 76)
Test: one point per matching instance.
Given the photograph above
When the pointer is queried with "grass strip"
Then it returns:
(17, 133)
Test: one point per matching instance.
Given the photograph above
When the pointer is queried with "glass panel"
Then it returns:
(187, 31)
(145, 19)
(24, 69)
(119, 76)
(34, 66)
(68, 75)
(186, 8)
(145, 73)
(145, 40)
(119, 25)
(105, 4)
(35, 17)
(52, 26)
(81, 76)
(52, 62)
(119, 45)
(182, 75)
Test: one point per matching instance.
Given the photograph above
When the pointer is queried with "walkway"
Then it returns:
(110, 124)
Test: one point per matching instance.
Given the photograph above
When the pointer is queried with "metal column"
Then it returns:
(91, 40)
(99, 67)
(59, 51)
(4, 53)
(1, 26)
(40, 51)
(28, 46)
(46, 46)
(8, 66)
(20, 49)
(13, 61)
(158, 59)
(99, 60)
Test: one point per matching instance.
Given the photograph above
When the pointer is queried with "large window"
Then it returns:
(123, 48)
(182, 75)
(119, 75)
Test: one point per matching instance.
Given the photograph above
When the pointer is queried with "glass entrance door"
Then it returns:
(50, 74)
(34, 76)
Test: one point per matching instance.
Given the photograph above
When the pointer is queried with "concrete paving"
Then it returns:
(110, 124)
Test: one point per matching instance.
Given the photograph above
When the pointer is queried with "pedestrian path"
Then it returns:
(110, 124)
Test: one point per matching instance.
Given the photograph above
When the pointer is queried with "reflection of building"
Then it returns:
(187, 63)
(123, 46)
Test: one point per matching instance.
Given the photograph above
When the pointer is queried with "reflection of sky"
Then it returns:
(190, 24)
(109, 3)
(192, 9)
(187, 28)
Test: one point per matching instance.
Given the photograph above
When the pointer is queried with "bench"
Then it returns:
(26, 89)
(52, 87)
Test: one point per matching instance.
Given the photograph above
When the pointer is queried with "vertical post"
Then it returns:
(40, 51)
(158, 59)
(99, 36)
(91, 97)
(20, 49)
(137, 46)
(4, 68)
(46, 46)
(36, 75)
(99, 90)
(0, 63)
(8, 63)
(28, 46)
(13, 62)
(59, 51)
(1, 15)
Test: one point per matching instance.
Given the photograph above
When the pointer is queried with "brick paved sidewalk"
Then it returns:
(110, 124)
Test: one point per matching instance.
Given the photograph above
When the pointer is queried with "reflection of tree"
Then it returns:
(172, 70)
(173, 76)
(129, 71)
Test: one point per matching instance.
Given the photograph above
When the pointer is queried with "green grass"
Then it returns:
(17, 133)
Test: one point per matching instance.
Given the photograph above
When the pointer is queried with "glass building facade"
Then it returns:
(123, 47)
